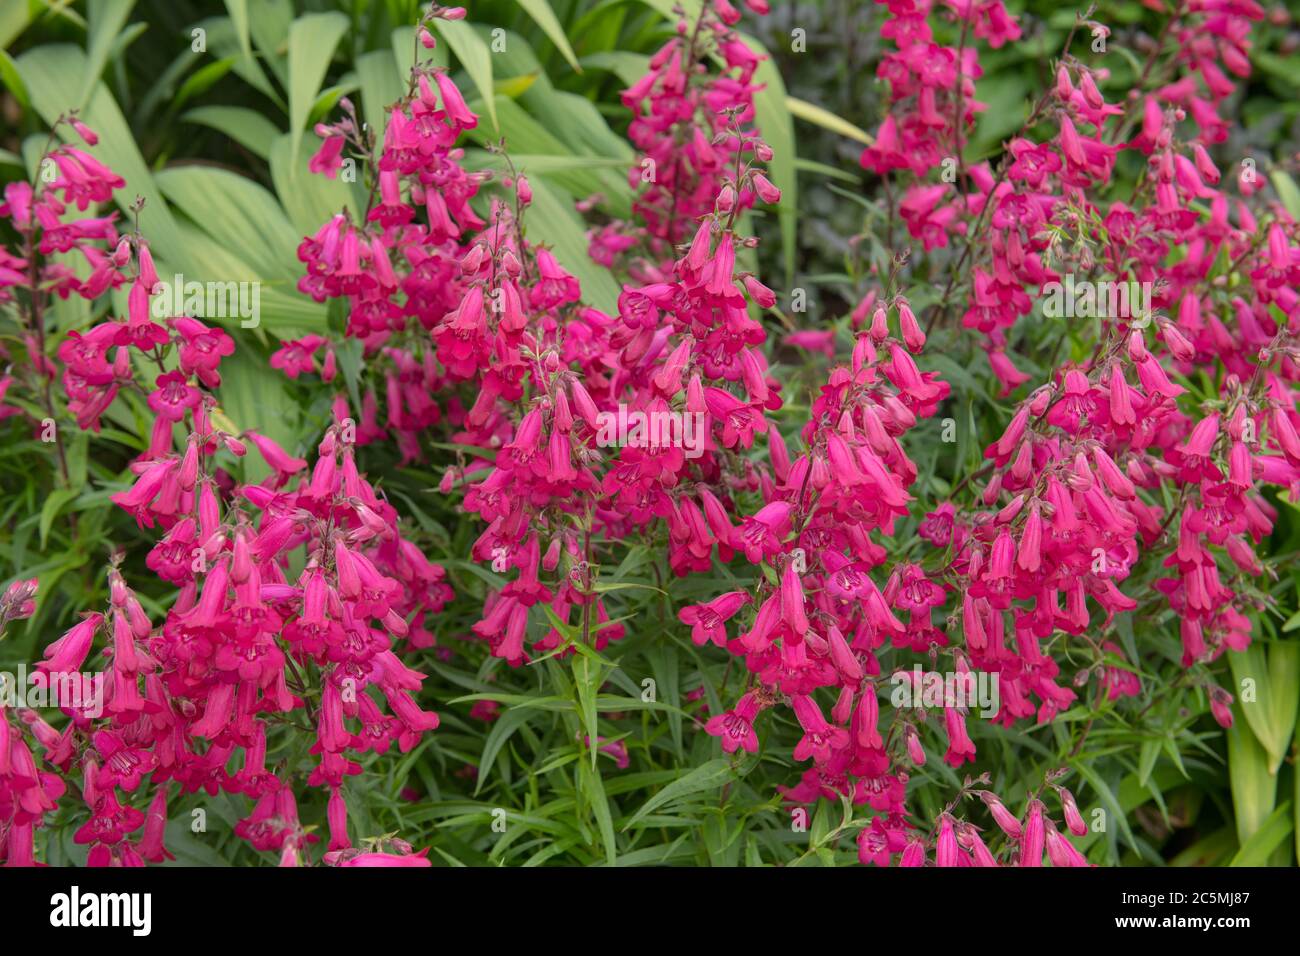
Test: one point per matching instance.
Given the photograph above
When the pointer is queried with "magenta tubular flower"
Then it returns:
(947, 853)
(1002, 816)
(736, 727)
(69, 652)
(707, 620)
(1031, 840)
(1073, 819)
(913, 855)
(1060, 851)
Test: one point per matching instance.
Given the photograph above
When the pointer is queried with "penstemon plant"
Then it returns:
(884, 636)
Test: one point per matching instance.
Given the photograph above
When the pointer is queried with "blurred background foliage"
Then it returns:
(206, 109)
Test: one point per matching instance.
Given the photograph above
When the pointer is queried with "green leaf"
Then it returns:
(586, 675)
(225, 40)
(1287, 191)
(593, 789)
(502, 730)
(240, 214)
(202, 80)
(380, 88)
(1283, 696)
(1254, 789)
(1270, 835)
(13, 82)
(628, 67)
(238, 10)
(474, 56)
(247, 127)
(821, 169)
(1271, 714)
(53, 505)
(270, 32)
(106, 20)
(826, 119)
(1212, 850)
(312, 39)
(544, 16)
(708, 776)
(14, 18)
(1147, 760)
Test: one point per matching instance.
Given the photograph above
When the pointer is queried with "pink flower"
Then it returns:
(707, 620)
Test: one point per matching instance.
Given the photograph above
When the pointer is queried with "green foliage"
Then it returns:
(216, 142)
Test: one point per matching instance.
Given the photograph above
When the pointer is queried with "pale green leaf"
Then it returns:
(544, 16)
(106, 20)
(312, 39)
(826, 119)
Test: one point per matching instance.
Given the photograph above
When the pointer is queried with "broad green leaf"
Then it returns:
(380, 88)
(106, 20)
(202, 80)
(312, 39)
(804, 110)
(54, 503)
(1284, 696)
(247, 127)
(238, 213)
(524, 134)
(270, 32)
(1265, 713)
(238, 10)
(544, 16)
(628, 67)
(14, 18)
(282, 310)
(572, 123)
(225, 41)
(13, 81)
(1287, 191)
(1270, 835)
(594, 790)
(1254, 789)
(514, 86)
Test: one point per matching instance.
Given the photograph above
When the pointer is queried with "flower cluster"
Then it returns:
(291, 594)
(275, 665)
(683, 118)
